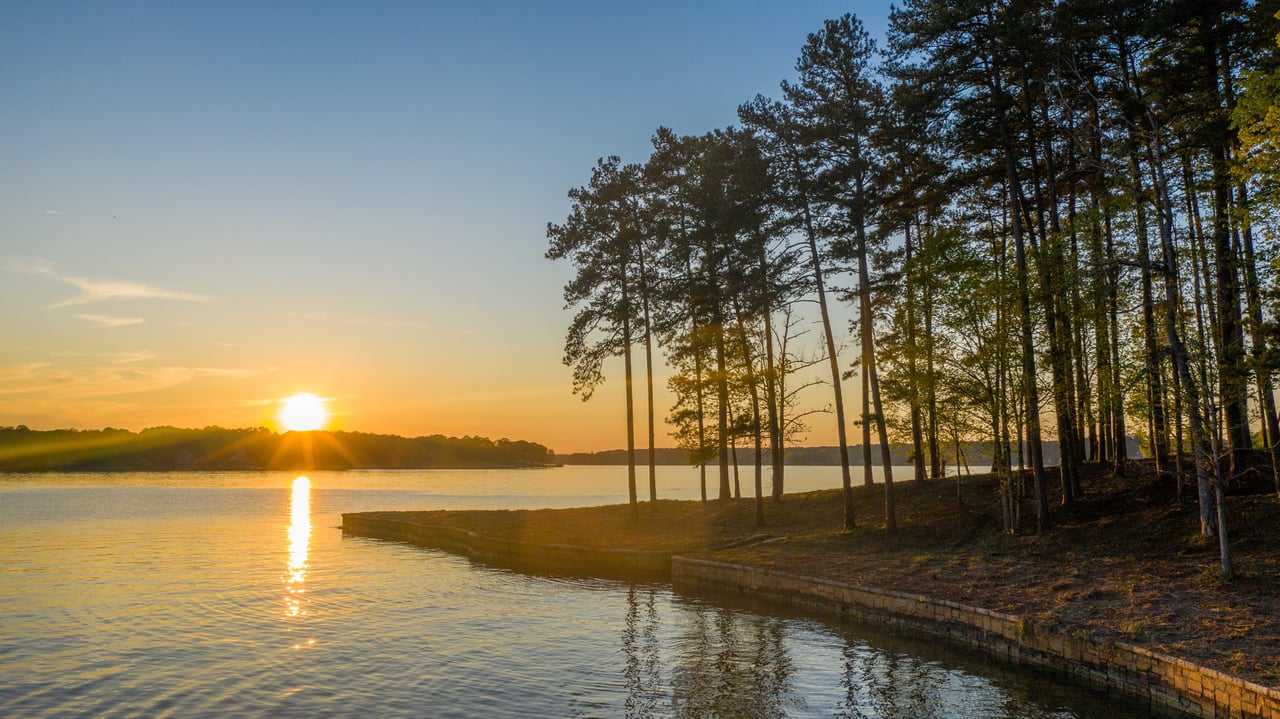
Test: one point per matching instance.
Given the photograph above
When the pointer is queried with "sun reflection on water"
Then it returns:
(299, 542)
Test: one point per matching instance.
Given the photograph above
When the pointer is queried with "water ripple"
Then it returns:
(168, 601)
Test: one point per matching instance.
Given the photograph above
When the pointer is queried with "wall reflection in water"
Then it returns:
(299, 542)
(887, 684)
(697, 660)
(733, 664)
(723, 663)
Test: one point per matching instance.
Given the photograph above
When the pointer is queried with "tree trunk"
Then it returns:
(748, 363)
(648, 367)
(931, 388)
(834, 361)
(1258, 337)
(631, 416)
(1179, 350)
(870, 381)
(1034, 444)
(1120, 441)
(1151, 352)
(772, 396)
(722, 399)
(913, 372)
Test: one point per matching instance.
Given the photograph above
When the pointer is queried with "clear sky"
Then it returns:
(205, 208)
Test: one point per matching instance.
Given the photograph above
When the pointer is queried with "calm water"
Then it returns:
(210, 595)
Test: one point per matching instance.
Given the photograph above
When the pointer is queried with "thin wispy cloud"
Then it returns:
(130, 357)
(113, 357)
(231, 373)
(101, 290)
(347, 319)
(54, 212)
(21, 372)
(119, 377)
(109, 321)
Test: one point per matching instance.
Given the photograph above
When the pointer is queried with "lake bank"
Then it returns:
(1125, 566)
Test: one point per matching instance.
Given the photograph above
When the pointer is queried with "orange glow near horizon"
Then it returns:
(303, 412)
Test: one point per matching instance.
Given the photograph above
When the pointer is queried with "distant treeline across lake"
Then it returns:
(216, 448)
(974, 453)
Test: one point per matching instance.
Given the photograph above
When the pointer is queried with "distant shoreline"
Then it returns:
(977, 454)
(254, 448)
(224, 470)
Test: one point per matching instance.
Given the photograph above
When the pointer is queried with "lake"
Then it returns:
(235, 594)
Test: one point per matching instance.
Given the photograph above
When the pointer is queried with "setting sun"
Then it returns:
(303, 412)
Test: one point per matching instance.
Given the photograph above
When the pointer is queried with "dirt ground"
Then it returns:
(1127, 562)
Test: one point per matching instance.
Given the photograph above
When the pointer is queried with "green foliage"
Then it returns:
(1256, 118)
(216, 448)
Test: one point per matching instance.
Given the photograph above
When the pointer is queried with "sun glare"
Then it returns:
(303, 412)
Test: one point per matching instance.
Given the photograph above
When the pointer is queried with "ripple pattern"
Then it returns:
(156, 600)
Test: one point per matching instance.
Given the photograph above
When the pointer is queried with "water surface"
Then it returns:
(235, 594)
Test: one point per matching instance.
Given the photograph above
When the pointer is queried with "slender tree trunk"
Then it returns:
(722, 399)
(1052, 289)
(1121, 436)
(699, 395)
(1102, 340)
(631, 416)
(1034, 443)
(886, 453)
(1179, 350)
(771, 392)
(870, 380)
(1151, 353)
(834, 362)
(648, 367)
(748, 363)
(702, 426)
(1232, 374)
(733, 450)
(913, 372)
(1258, 337)
(1200, 269)
(931, 387)
(868, 476)
(1101, 280)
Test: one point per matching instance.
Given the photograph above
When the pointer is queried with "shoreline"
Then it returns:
(1125, 567)
(1171, 686)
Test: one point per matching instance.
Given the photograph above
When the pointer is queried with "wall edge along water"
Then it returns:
(1169, 685)
(551, 558)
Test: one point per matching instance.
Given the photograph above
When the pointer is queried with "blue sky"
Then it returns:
(206, 207)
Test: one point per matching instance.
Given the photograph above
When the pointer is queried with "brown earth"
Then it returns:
(1126, 563)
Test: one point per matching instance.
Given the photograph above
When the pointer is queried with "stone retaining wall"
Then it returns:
(555, 558)
(1168, 684)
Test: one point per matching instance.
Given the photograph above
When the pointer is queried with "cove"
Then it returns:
(175, 594)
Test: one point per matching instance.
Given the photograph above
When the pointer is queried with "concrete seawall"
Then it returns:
(1169, 685)
(554, 558)
(1172, 686)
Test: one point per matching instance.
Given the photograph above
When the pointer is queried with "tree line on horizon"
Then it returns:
(1049, 217)
(963, 456)
(216, 448)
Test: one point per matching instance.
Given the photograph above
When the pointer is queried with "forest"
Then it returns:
(216, 448)
(1050, 220)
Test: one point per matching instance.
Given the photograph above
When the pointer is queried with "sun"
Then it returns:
(303, 412)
